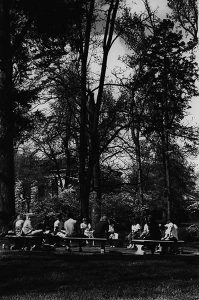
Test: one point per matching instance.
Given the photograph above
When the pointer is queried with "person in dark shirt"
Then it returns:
(101, 231)
(154, 229)
(101, 228)
(154, 232)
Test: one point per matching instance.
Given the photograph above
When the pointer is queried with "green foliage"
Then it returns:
(185, 14)
(189, 234)
(49, 17)
(122, 208)
(67, 201)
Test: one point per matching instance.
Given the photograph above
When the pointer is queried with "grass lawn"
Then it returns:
(98, 277)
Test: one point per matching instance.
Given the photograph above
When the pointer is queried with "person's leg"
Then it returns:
(103, 247)
(129, 237)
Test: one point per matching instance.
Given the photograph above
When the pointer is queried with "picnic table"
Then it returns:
(163, 245)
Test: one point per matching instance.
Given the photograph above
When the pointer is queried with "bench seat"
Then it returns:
(139, 243)
(30, 240)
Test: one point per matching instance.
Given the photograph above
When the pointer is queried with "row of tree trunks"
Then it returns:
(7, 203)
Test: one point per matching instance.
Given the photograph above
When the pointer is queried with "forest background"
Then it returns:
(75, 137)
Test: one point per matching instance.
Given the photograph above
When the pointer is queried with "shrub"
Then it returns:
(189, 234)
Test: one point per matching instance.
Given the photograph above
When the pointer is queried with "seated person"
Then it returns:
(28, 229)
(112, 234)
(101, 231)
(19, 225)
(48, 235)
(58, 228)
(135, 233)
(171, 232)
(145, 232)
(85, 227)
(70, 226)
(101, 228)
(151, 232)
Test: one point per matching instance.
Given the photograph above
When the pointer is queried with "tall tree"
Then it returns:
(17, 20)
(97, 15)
(185, 12)
(7, 204)
(174, 75)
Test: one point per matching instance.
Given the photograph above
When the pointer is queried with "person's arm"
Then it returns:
(56, 228)
(170, 231)
(145, 231)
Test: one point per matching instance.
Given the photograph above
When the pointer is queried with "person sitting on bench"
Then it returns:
(112, 235)
(86, 229)
(59, 227)
(135, 233)
(171, 234)
(151, 232)
(101, 231)
(19, 225)
(28, 230)
(71, 230)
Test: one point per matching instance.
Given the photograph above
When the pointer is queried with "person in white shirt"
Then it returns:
(135, 233)
(171, 232)
(58, 227)
(19, 225)
(85, 227)
(28, 229)
(113, 236)
(70, 226)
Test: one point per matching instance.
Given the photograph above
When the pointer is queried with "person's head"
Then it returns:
(149, 218)
(29, 216)
(84, 220)
(19, 217)
(104, 219)
(59, 217)
(70, 216)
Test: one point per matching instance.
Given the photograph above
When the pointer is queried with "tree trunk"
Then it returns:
(165, 155)
(7, 195)
(83, 154)
(165, 138)
(139, 167)
(83, 149)
(96, 189)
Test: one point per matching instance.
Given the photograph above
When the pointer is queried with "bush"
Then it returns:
(189, 234)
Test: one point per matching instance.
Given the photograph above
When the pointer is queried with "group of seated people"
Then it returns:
(54, 233)
(152, 231)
